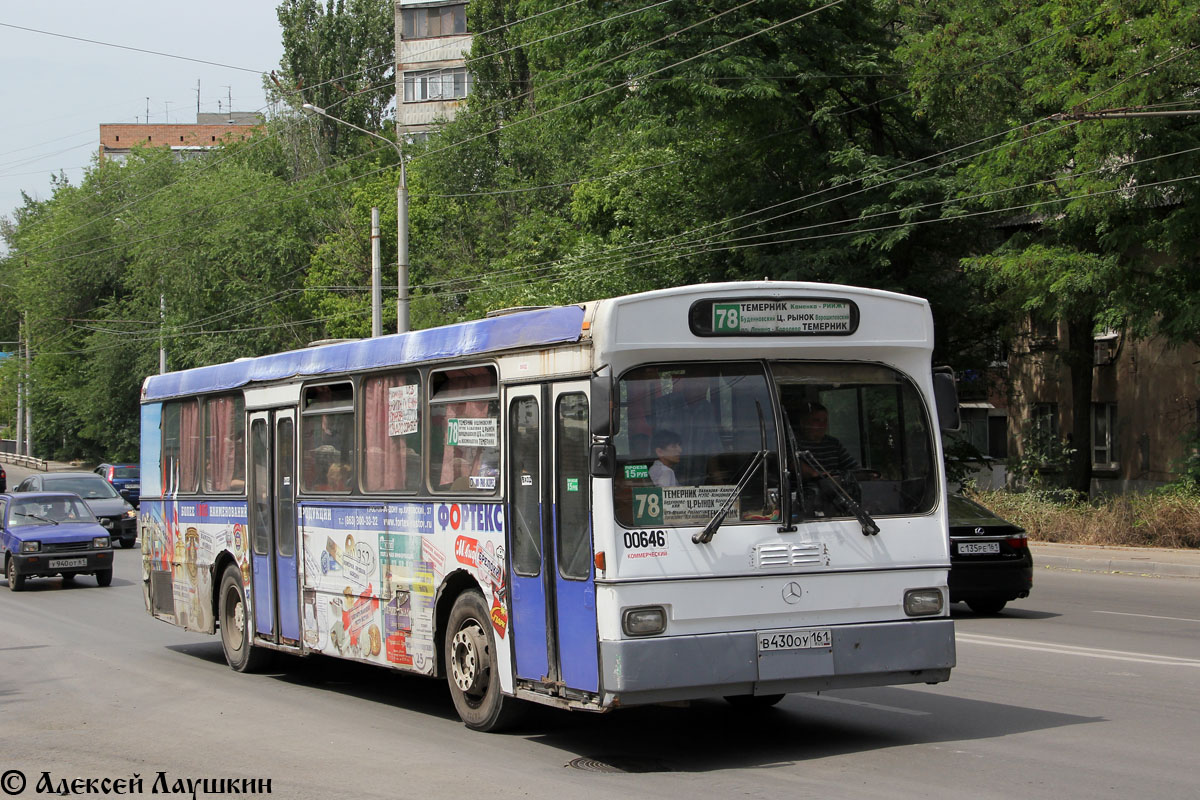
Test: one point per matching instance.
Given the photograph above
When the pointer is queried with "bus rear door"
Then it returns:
(273, 526)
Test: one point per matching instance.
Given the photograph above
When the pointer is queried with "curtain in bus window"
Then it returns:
(391, 433)
(181, 446)
(464, 434)
(224, 444)
(469, 451)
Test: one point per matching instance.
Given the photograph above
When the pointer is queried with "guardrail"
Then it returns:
(25, 461)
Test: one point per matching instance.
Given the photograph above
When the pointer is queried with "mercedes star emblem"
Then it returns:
(792, 593)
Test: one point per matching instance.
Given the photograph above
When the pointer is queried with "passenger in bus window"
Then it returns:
(813, 435)
(669, 450)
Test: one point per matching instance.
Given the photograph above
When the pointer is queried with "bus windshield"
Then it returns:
(686, 434)
(862, 426)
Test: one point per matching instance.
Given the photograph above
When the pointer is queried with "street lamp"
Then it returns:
(401, 220)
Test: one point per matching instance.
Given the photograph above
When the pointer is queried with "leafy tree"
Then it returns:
(340, 57)
(1102, 231)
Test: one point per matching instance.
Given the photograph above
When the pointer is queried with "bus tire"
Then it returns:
(471, 669)
(240, 653)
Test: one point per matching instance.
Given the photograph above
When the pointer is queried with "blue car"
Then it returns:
(43, 534)
(125, 478)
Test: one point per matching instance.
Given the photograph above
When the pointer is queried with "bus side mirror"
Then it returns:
(601, 391)
(603, 460)
(945, 394)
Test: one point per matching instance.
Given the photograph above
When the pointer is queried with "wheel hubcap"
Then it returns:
(235, 621)
(469, 663)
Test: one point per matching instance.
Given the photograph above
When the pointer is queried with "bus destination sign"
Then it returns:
(783, 317)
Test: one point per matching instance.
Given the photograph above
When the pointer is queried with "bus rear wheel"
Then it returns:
(241, 655)
(471, 668)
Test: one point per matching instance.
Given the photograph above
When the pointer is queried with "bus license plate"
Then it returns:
(797, 639)
(978, 548)
(63, 563)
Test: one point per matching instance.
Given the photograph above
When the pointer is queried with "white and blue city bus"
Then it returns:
(727, 490)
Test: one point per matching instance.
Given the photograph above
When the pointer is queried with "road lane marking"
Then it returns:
(1145, 616)
(1072, 650)
(865, 704)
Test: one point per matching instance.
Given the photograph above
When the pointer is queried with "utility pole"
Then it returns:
(376, 280)
(28, 393)
(162, 348)
(20, 386)
(401, 220)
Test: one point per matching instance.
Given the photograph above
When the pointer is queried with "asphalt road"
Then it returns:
(1086, 689)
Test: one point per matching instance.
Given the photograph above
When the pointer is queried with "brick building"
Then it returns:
(116, 140)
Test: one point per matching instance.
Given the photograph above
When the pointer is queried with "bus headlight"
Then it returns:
(923, 602)
(644, 621)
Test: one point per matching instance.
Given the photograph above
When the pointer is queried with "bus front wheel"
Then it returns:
(471, 669)
(241, 655)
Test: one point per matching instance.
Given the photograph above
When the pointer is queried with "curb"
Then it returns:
(1123, 566)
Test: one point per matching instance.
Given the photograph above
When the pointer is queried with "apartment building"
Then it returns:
(432, 44)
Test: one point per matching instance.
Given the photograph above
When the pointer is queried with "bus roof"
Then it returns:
(537, 328)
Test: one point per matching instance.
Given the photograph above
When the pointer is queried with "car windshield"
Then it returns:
(48, 511)
(86, 486)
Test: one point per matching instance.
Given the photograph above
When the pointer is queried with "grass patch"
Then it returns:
(1166, 518)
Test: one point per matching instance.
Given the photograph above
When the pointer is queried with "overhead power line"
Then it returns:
(134, 49)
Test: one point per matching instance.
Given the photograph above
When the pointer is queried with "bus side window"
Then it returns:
(464, 430)
(392, 432)
(224, 444)
(327, 438)
(181, 446)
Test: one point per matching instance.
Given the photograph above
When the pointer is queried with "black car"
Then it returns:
(114, 512)
(125, 478)
(990, 562)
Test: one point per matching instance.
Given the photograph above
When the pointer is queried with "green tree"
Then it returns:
(339, 57)
(1102, 231)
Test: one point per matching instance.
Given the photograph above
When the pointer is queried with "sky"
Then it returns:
(57, 91)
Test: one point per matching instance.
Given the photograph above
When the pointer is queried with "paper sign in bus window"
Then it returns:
(402, 410)
(466, 432)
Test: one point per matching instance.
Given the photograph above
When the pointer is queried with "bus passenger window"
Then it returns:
(181, 446)
(327, 438)
(392, 433)
(464, 431)
(224, 444)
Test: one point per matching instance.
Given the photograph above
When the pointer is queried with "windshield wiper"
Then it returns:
(869, 527)
(35, 516)
(711, 528)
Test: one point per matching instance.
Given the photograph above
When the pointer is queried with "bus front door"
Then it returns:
(550, 537)
(273, 526)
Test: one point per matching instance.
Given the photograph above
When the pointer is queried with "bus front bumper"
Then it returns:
(672, 668)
